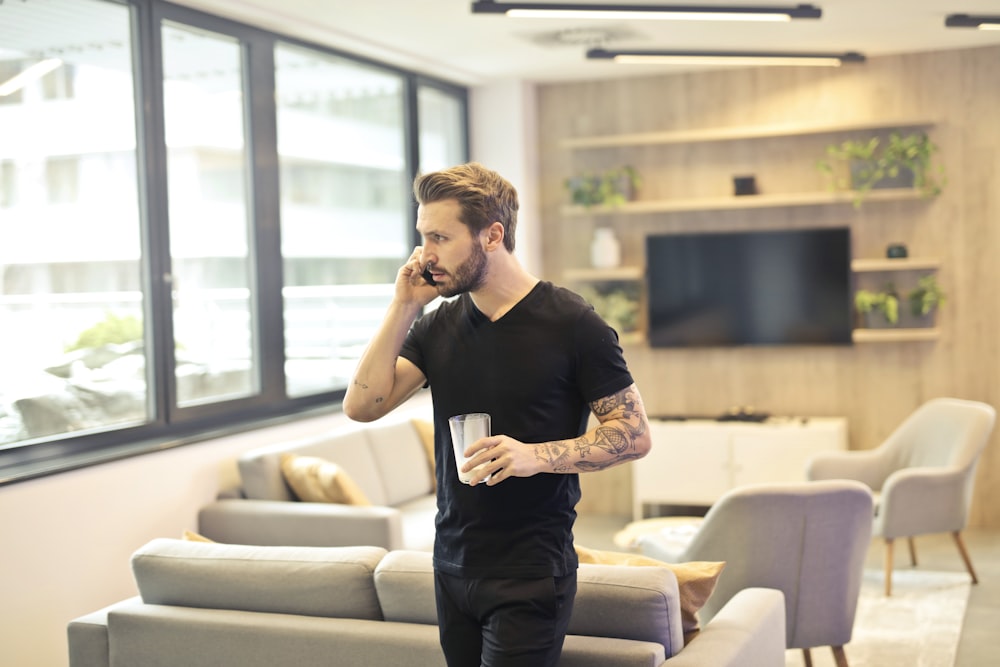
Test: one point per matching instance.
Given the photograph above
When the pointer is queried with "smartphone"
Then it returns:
(427, 275)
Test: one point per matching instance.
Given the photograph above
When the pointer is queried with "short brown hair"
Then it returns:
(483, 196)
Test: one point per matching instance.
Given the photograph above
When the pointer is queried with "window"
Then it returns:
(71, 298)
(345, 213)
(200, 222)
(442, 127)
(210, 276)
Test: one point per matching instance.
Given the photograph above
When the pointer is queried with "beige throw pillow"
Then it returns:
(695, 580)
(192, 536)
(425, 430)
(315, 480)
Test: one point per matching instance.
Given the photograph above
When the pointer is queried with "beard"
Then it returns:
(469, 276)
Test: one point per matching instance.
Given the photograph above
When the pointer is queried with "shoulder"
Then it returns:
(444, 311)
(560, 301)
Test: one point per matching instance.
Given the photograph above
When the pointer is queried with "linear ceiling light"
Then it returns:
(968, 21)
(638, 57)
(666, 12)
(36, 71)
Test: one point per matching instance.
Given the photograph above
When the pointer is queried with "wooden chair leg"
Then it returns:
(913, 551)
(807, 656)
(965, 555)
(839, 657)
(888, 567)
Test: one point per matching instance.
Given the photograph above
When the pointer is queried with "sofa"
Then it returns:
(390, 461)
(226, 605)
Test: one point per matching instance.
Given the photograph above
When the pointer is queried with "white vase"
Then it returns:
(605, 251)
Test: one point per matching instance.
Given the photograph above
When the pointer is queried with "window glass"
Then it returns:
(72, 352)
(345, 209)
(213, 323)
(442, 129)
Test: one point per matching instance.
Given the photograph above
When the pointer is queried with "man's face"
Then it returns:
(457, 258)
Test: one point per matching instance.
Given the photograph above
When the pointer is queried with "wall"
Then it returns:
(68, 537)
(874, 385)
(504, 138)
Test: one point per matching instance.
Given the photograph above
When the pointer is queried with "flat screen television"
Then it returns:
(789, 287)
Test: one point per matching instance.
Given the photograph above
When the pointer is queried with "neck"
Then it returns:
(507, 282)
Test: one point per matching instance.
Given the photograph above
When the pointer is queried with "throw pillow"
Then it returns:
(425, 430)
(316, 480)
(195, 537)
(695, 580)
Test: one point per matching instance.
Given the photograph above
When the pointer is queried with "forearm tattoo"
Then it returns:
(623, 420)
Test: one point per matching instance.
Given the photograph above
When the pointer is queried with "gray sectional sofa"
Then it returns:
(226, 605)
(388, 460)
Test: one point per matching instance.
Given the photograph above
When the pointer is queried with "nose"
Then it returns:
(427, 258)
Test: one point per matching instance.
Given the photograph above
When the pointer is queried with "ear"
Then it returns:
(494, 236)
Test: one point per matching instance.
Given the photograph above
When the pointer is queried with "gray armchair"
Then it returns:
(806, 539)
(922, 475)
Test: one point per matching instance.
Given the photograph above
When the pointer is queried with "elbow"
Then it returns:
(356, 412)
(643, 443)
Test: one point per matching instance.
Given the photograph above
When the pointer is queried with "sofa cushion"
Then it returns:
(316, 480)
(311, 581)
(260, 469)
(640, 603)
(404, 581)
(611, 601)
(401, 460)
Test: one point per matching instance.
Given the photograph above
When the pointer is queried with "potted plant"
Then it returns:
(899, 161)
(884, 302)
(612, 187)
(619, 306)
(926, 296)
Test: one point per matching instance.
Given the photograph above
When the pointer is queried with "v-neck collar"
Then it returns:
(480, 315)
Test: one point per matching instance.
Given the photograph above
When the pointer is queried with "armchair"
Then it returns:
(922, 475)
(806, 539)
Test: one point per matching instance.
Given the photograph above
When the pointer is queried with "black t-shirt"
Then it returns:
(535, 371)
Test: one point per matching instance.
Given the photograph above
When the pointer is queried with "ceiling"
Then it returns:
(443, 38)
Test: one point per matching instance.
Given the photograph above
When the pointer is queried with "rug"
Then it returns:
(917, 626)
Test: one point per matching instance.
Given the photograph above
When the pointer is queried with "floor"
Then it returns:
(980, 641)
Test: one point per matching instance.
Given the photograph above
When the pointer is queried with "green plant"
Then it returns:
(113, 330)
(612, 187)
(618, 306)
(926, 296)
(885, 302)
(878, 160)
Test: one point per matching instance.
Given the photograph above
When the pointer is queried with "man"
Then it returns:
(538, 359)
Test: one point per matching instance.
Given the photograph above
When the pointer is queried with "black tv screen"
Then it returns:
(789, 287)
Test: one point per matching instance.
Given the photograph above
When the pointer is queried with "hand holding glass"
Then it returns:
(465, 430)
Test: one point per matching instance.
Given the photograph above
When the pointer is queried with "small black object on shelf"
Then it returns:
(744, 185)
(896, 251)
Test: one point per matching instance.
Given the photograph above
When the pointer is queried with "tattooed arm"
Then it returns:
(383, 380)
(622, 435)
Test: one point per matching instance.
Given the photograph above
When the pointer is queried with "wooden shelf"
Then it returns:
(621, 273)
(901, 264)
(744, 202)
(632, 338)
(735, 133)
(895, 335)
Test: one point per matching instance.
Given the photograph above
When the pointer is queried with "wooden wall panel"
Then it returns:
(874, 385)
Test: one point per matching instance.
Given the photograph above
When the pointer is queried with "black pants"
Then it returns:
(503, 622)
